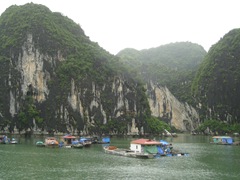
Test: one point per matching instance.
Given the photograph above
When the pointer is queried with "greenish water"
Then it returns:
(206, 161)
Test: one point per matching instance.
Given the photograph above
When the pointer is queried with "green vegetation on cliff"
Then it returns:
(172, 65)
(217, 83)
(73, 58)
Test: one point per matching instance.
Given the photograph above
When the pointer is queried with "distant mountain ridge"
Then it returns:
(172, 65)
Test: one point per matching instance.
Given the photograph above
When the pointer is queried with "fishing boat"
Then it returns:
(145, 148)
(51, 142)
(140, 148)
(13, 141)
(4, 139)
(224, 140)
(125, 152)
(67, 141)
(40, 144)
(86, 142)
(99, 140)
(77, 144)
(166, 149)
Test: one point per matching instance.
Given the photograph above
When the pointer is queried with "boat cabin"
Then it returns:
(51, 142)
(225, 140)
(85, 141)
(145, 146)
(68, 139)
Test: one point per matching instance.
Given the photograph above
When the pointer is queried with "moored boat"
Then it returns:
(67, 141)
(4, 139)
(13, 141)
(51, 142)
(40, 144)
(77, 144)
(86, 142)
(145, 148)
(223, 140)
(140, 148)
(125, 152)
(99, 140)
(166, 149)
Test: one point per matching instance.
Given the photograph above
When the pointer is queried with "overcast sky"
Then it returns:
(143, 24)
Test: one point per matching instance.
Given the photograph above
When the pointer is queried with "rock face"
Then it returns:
(84, 106)
(54, 79)
(163, 104)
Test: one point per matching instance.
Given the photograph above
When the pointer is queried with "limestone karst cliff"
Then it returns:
(54, 79)
(163, 104)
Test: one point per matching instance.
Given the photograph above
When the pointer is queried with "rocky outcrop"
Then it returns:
(164, 105)
(85, 105)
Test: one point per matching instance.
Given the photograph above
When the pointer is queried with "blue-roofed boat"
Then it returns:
(145, 148)
(223, 140)
(166, 149)
(86, 142)
(4, 139)
(77, 144)
(105, 140)
(99, 140)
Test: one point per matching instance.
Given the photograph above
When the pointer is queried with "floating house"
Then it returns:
(68, 139)
(223, 140)
(145, 146)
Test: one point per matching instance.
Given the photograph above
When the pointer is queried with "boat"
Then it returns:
(13, 141)
(40, 144)
(140, 148)
(98, 140)
(145, 148)
(4, 139)
(51, 142)
(105, 140)
(67, 141)
(125, 152)
(224, 140)
(166, 149)
(77, 144)
(86, 142)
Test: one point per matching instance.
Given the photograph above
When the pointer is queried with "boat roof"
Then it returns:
(145, 142)
(69, 137)
(218, 137)
(164, 142)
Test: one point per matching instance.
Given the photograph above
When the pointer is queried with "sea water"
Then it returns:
(205, 161)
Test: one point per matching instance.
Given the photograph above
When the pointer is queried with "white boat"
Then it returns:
(13, 141)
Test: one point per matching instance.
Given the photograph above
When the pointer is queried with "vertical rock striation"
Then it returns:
(164, 105)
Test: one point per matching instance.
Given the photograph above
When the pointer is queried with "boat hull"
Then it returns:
(127, 153)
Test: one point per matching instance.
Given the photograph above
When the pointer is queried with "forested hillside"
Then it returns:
(217, 83)
(53, 78)
(173, 65)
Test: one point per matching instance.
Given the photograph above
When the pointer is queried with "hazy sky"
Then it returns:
(143, 24)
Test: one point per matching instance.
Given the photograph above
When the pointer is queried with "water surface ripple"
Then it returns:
(206, 161)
